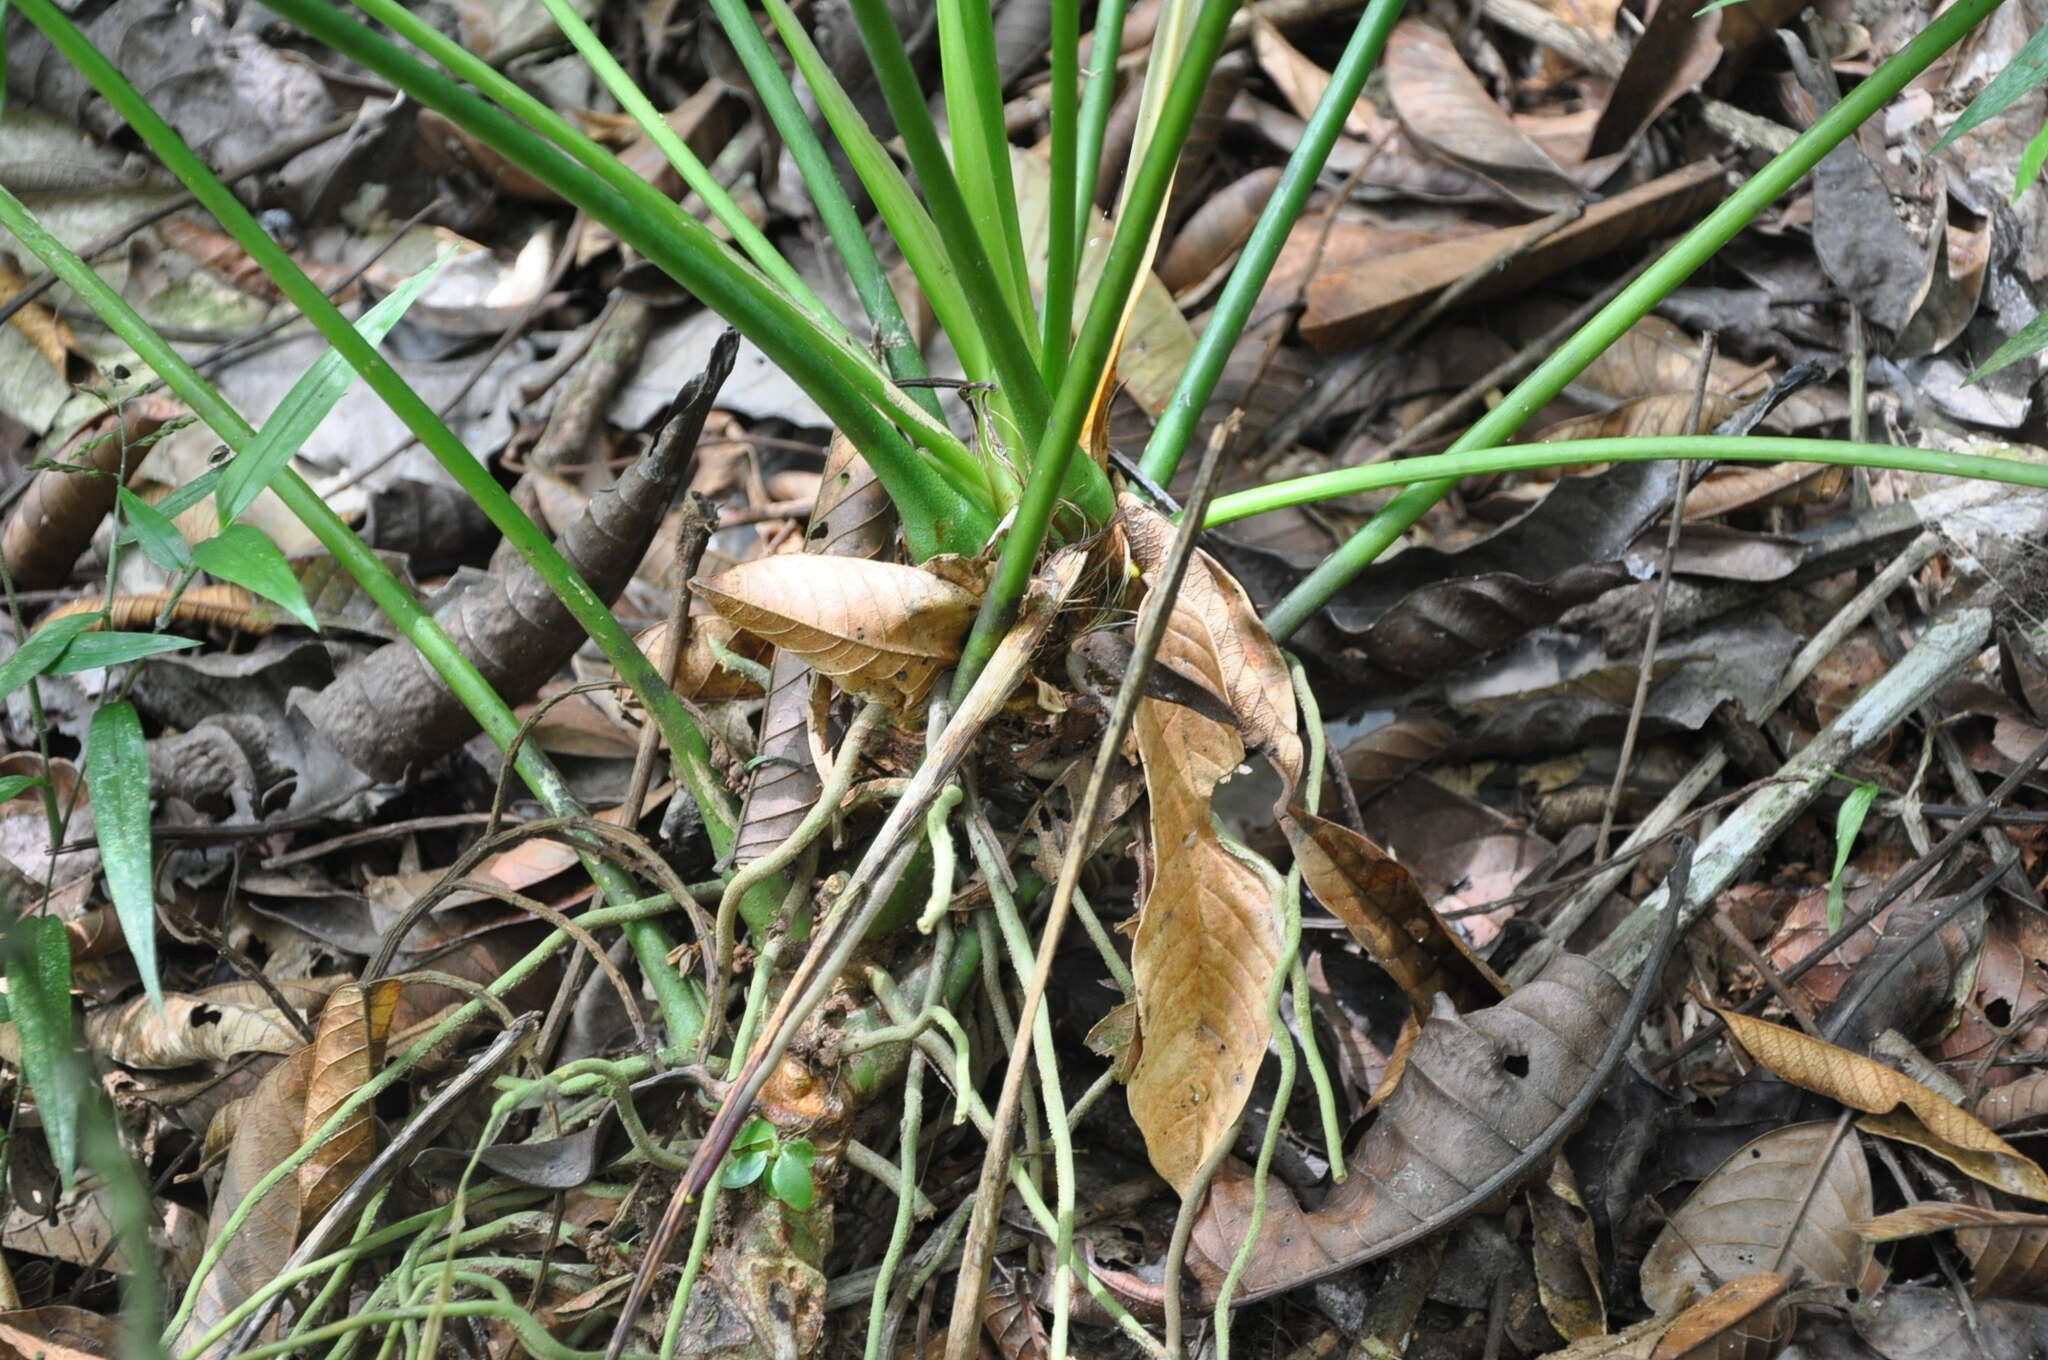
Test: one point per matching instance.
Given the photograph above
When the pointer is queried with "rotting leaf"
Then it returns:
(1566, 1257)
(1737, 1219)
(1894, 1104)
(882, 630)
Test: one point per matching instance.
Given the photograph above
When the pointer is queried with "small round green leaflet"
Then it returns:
(117, 772)
(789, 1179)
(38, 952)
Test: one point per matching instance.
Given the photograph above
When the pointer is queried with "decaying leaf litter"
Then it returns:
(1368, 1034)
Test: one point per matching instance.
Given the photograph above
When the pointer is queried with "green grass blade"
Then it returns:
(1063, 241)
(828, 196)
(1176, 427)
(93, 651)
(40, 651)
(1096, 103)
(1848, 826)
(1633, 303)
(117, 772)
(2019, 78)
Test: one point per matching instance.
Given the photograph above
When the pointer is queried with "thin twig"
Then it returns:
(1663, 597)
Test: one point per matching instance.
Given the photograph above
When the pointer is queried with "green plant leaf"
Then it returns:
(117, 772)
(308, 403)
(744, 1169)
(244, 554)
(2031, 161)
(14, 785)
(39, 998)
(1848, 825)
(2026, 342)
(151, 528)
(789, 1179)
(2022, 75)
(93, 650)
(35, 656)
(756, 1135)
(1709, 9)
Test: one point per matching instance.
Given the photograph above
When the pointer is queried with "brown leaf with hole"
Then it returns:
(1480, 1089)
(1383, 907)
(188, 1029)
(2008, 1249)
(1444, 107)
(880, 629)
(1215, 639)
(1896, 1106)
(1736, 1220)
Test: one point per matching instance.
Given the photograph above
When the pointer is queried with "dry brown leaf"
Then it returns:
(1347, 306)
(60, 511)
(1732, 488)
(2019, 1102)
(1208, 241)
(1444, 107)
(703, 676)
(1381, 904)
(1896, 1106)
(348, 1048)
(58, 1332)
(1566, 1258)
(2008, 1249)
(1205, 950)
(189, 1029)
(44, 329)
(1216, 640)
(1667, 413)
(1724, 1323)
(1678, 49)
(1301, 82)
(1736, 1221)
(880, 629)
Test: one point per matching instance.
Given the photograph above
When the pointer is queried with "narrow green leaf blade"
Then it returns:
(39, 999)
(245, 555)
(309, 402)
(35, 656)
(117, 772)
(2031, 161)
(159, 538)
(2021, 77)
(14, 785)
(2027, 341)
(93, 650)
(1848, 825)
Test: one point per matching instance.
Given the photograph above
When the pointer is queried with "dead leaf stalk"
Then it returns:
(971, 1290)
(1661, 601)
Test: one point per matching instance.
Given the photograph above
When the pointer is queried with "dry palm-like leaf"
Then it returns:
(1381, 904)
(1895, 1105)
(880, 629)
(1205, 950)
(294, 1099)
(2008, 1249)
(1738, 1220)
(1443, 106)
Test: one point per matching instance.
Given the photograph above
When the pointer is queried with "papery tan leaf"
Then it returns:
(1443, 106)
(348, 1048)
(1208, 241)
(189, 1029)
(44, 329)
(1725, 1322)
(1382, 906)
(1157, 342)
(58, 1332)
(2008, 1249)
(881, 630)
(1897, 1106)
(1301, 82)
(703, 676)
(1736, 1220)
(1565, 1256)
(1646, 417)
(1215, 639)
(1205, 951)
(1732, 488)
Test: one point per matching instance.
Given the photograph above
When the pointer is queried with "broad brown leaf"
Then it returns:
(1737, 1219)
(1301, 82)
(881, 630)
(1645, 417)
(1381, 904)
(703, 676)
(1896, 1106)
(1443, 106)
(63, 506)
(1565, 1255)
(189, 1029)
(348, 1048)
(1725, 1322)
(2007, 1249)
(58, 1332)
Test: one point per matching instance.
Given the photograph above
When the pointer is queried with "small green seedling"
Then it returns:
(759, 1149)
(1848, 825)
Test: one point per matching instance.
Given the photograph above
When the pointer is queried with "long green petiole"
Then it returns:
(1632, 304)
(1450, 467)
(1092, 348)
(680, 1009)
(1226, 323)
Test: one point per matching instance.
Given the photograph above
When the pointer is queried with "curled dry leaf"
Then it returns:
(1724, 1324)
(2008, 1249)
(1209, 239)
(1566, 1257)
(703, 677)
(1444, 107)
(62, 508)
(880, 629)
(1481, 1088)
(1738, 1219)
(1896, 1106)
